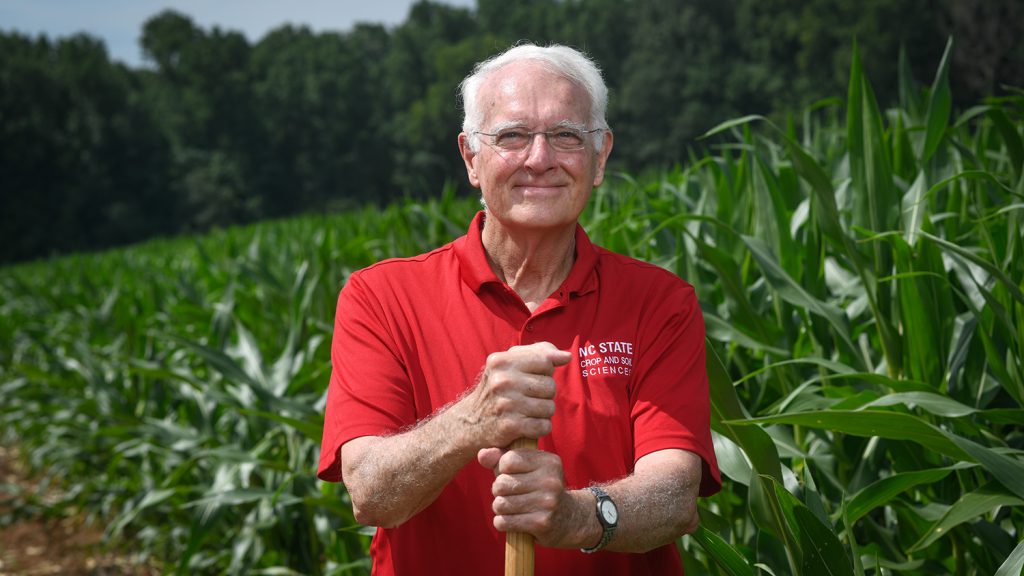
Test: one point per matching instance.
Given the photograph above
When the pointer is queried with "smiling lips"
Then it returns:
(538, 185)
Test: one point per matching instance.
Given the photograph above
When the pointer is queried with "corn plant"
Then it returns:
(176, 390)
(862, 291)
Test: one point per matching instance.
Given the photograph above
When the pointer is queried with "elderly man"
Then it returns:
(522, 328)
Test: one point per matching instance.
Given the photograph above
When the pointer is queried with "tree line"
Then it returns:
(216, 130)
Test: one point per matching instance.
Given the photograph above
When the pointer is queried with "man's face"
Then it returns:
(538, 187)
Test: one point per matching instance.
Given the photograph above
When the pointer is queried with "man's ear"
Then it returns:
(602, 158)
(469, 157)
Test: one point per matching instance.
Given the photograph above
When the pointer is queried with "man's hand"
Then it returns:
(530, 496)
(515, 397)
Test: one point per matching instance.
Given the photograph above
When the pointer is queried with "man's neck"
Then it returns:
(534, 263)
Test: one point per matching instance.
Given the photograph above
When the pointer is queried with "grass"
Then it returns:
(861, 280)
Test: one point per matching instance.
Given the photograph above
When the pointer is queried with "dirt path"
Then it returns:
(36, 546)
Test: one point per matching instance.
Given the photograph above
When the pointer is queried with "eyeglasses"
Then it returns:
(563, 138)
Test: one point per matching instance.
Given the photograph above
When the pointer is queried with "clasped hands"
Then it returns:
(515, 398)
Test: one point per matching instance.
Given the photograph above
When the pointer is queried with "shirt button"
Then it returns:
(529, 327)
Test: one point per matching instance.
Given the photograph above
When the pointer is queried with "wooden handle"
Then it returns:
(519, 545)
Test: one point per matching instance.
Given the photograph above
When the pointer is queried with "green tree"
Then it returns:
(317, 102)
(673, 77)
(201, 91)
(83, 164)
(430, 54)
(537, 21)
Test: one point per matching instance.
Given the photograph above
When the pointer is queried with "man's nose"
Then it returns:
(539, 153)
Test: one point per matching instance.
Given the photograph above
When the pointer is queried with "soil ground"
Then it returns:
(37, 546)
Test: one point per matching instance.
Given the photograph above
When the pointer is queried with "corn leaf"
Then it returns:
(940, 103)
(1014, 564)
(792, 292)
(726, 408)
(898, 426)
(725, 556)
(967, 508)
(881, 492)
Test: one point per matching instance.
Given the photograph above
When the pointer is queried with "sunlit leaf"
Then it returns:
(1014, 564)
(725, 556)
(880, 492)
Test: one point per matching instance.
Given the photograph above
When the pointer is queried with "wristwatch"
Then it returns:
(607, 515)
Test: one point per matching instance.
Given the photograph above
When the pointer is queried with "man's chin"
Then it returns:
(538, 219)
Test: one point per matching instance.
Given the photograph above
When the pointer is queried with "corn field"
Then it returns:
(862, 280)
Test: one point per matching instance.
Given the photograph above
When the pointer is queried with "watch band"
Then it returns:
(608, 526)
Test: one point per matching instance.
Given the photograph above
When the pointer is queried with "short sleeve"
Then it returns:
(669, 398)
(369, 391)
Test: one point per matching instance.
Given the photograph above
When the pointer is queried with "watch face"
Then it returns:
(611, 515)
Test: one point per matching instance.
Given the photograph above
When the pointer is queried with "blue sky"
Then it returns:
(119, 22)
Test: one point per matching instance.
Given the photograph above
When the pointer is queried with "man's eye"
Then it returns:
(510, 138)
(568, 138)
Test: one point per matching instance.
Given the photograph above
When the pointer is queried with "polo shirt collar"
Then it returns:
(476, 271)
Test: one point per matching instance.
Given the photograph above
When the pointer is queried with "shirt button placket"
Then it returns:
(526, 334)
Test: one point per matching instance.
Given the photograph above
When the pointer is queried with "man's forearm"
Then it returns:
(655, 509)
(656, 504)
(391, 478)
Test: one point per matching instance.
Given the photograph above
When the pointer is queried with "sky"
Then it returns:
(119, 22)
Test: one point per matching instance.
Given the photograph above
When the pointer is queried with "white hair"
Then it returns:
(562, 60)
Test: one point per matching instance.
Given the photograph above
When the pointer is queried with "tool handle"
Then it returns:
(519, 545)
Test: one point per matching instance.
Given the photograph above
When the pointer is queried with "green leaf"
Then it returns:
(760, 332)
(826, 214)
(851, 538)
(1004, 415)
(930, 402)
(838, 369)
(1009, 471)
(312, 430)
(869, 160)
(151, 498)
(726, 409)
(875, 201)
(940, 103)
(219, 361)
(967, 508)
(1011, 138)
(914, 205)
(728, 124)
(877, 562)
(792, 292)
(276, 571)
(899, 426)
(732, 462)
(812, 547)
(725, 556)
(249, 352)
(822, 552)
(771, 218)
(243, 496)
(1014, 564)
(881, 491)
(770, 516)
(959, 251)
(719, 329)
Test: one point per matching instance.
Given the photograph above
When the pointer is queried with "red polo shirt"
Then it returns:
(412, 334)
